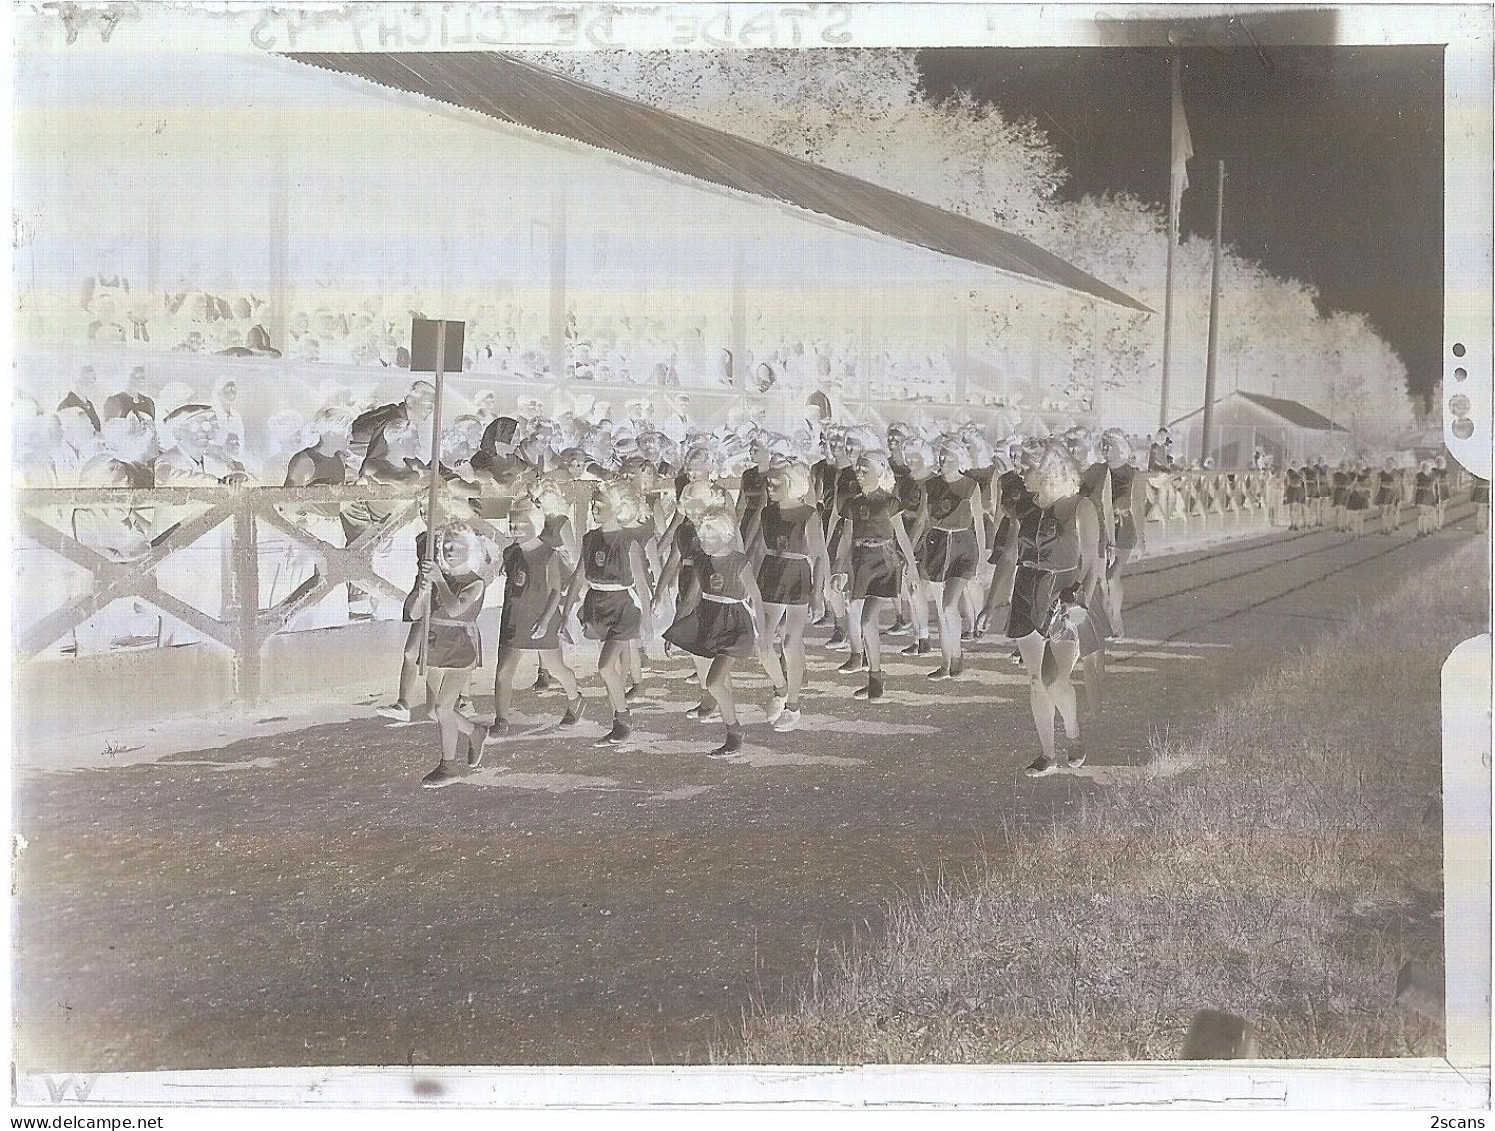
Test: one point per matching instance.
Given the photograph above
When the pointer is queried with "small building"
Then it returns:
(1283, 429)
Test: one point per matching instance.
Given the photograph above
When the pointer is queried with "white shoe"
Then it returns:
(788, 720)
(776, 707)
(395, 712)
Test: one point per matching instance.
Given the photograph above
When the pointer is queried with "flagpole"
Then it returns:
(1214, 321)
(1167, 320)
(1180, 150)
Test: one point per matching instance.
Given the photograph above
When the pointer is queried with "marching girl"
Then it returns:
(1320, 492)
(1357, 501)
(874, 553)
(1295, 496)
(951, 548)
(1389, 497)
(616, 581)
(983, 468)
(1053, 534)
(534, 587)
(452, 589)
(909, 486)
(698, 500)
(753, 488)
(1095, 489)
(1128, 508)
(792, 569)
(720, 627)
(1339, 497)
(1443, 490)
(1013, 500)
(1425, 498)
(390, 459)
(549, 494)
(1479, 495)
(844, 485)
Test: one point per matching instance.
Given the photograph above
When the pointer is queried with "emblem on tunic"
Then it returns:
(520, 577)
(716, 583)
(600, 557)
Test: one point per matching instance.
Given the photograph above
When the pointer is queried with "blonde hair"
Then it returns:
(551, 488)
(627, 501)
(717, 522)
(959, 447)
(1054, 467)
(526, 507)
(469, 554)
(1120, 439)
(796, 478)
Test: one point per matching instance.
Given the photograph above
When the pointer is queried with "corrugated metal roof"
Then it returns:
(1294, 412)
(512, 90)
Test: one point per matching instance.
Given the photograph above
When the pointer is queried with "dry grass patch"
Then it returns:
(1281, 864)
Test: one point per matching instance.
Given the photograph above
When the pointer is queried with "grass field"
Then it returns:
(1282, 863)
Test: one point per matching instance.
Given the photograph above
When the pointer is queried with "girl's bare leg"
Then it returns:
(1030, 648)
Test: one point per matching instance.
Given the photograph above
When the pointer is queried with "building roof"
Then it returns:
(1294, 412)
(512, 90)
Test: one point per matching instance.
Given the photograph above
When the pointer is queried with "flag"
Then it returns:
(1183, 149)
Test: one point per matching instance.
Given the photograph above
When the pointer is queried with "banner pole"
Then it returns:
(432, 496)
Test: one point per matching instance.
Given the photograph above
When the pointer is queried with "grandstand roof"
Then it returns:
(509, 89)
(1294, 412)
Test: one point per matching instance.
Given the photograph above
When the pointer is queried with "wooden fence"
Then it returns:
(261, 519)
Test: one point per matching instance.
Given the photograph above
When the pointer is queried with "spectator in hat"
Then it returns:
(78, 442)
(415, 409)
(135, 397)
(190, 461)
(84, 389)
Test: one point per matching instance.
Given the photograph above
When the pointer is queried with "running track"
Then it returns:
(297, 899)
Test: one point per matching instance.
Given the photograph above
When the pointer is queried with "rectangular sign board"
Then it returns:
(423, 346)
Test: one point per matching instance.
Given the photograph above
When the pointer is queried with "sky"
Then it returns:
(1333, 158)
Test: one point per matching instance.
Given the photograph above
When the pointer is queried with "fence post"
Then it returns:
(247, 577)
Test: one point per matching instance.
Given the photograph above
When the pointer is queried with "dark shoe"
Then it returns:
(445, 773)
(873, 691)
(477, 744)
(1041, 767)
(957, 668)
(574, 711)
(939, 673)
(635, 691)
(837, 640)
(919, 647)
(733, 745)
(1076, 758)
(543, 682)
(853, 663)
(901, 627)
(622, 728)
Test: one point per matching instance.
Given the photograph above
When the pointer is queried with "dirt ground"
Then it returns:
(297, 899)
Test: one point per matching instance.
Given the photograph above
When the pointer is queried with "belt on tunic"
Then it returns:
(448, 622)
(871, 541)
(617, 587)
(719, 600)
(788, 554)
